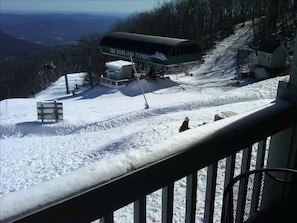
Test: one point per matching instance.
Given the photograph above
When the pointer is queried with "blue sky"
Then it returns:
(80, 5)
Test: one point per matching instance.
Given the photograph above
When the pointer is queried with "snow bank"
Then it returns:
(42, 195)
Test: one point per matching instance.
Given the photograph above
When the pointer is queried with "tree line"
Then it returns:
(23, 78)
(205, 21)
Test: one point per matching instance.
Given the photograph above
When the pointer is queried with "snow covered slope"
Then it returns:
(100, 123)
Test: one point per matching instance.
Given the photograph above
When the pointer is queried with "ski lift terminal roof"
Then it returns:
(159, 50)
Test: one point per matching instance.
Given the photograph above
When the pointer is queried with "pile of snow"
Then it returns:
(111, 128)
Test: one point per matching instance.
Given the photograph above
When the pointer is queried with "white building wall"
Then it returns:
(293, 77)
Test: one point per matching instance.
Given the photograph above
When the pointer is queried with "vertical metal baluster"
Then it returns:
(246, 162)
(191, 197)
(140, 210)
(167, 203)
(108, 218)
(210, 192)
(258, 177)
(229, 174)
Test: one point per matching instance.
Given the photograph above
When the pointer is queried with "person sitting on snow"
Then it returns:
(185, 125)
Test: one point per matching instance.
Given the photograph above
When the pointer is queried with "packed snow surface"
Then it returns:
(110, 127)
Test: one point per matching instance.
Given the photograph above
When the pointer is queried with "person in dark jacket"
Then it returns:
(185, 125)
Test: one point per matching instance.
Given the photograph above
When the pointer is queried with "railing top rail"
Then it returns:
(192, 150)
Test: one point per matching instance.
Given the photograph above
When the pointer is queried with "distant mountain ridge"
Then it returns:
(13, 48)
(55, 28)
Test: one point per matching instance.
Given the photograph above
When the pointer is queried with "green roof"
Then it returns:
(147, 38)
(124, 44)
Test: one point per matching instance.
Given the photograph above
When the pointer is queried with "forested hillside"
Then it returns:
(210, 20)
(13, 48)
(205, 21)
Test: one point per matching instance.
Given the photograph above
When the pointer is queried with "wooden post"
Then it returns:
(66, 79)
(90, 67)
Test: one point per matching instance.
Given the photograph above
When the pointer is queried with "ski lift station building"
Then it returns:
(157, 50)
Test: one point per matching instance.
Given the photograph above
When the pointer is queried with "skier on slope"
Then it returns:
(185, 125)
